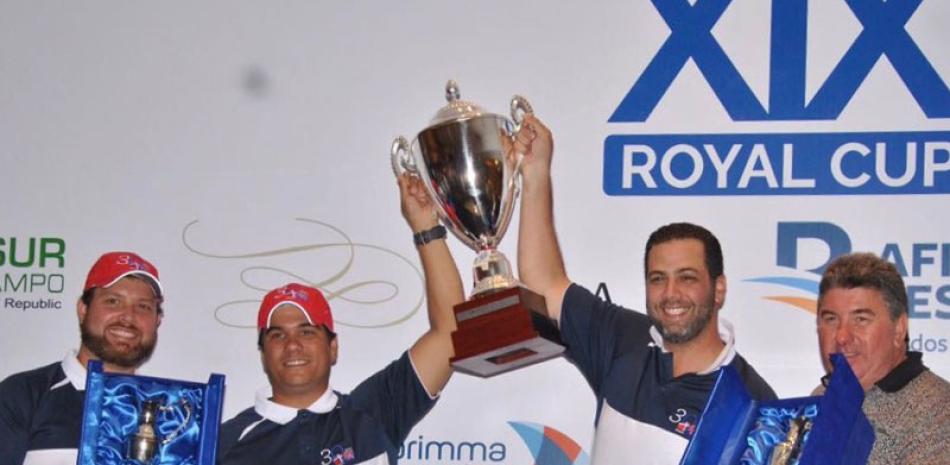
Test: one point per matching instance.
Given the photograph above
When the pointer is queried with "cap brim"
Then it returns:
(156, 285)
(270, 314)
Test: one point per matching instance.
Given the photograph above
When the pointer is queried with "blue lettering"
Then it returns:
(498, 452)
(943, 296)
(920, 259)
(892, 253)
(465, 451)
(913, 301)
(883, 34)
(690, 37)
(766, 164)
(789, 234)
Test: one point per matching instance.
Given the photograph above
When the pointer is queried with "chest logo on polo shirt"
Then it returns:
(337, 455)
(685, 422)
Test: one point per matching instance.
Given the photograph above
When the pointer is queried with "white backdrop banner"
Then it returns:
(241, 145)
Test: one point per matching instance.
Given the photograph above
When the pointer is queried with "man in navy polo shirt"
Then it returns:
(300, 419)
(119, 314)
(651, 374)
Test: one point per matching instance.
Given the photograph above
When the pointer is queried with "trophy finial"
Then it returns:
(452, 90)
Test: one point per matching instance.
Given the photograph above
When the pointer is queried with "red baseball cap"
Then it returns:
(113, 266)
(309, 300)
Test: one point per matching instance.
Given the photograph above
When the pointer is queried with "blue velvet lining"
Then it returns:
(118, 420)
(770, 428)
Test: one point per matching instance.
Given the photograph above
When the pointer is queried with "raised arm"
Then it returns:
(540, 265)
(431, 353)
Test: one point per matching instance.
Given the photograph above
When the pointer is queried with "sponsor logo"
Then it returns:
(427, 450)
(685, 422)
(31, 269)
(832, 163)
(925, 267)
(547, 445)
(337, 455)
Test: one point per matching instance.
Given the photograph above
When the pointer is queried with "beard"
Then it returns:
(126, 357)
(684, 333)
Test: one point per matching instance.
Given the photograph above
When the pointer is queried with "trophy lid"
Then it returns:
(456, 109)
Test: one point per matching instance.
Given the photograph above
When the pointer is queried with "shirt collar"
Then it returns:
(903, 373)
(75, 372)
(282, 414)
(726, 333)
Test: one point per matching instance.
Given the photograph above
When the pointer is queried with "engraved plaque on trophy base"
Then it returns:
(502, 331)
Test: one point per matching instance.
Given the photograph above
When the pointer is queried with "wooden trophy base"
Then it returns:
(503, 331)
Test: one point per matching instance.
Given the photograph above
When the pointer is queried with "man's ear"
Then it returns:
(81, 310)
(900, 332)
(334, 348)
(719, 292)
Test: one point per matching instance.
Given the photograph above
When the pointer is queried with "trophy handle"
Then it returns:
(519, 108)
(184, 423)
(401, 157)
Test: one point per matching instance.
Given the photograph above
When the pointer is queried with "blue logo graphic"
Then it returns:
(916, 260)
(549, 446)
(883, 35)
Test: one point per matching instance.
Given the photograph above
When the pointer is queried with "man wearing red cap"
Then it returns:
(119, 314)
(300, 418)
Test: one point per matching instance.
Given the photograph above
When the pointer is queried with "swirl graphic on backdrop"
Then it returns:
(332, 286)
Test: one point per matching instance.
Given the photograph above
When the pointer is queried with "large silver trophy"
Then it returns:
(466, 159)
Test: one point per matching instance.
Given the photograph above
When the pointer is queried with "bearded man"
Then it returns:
(119, 313)
(651, 374)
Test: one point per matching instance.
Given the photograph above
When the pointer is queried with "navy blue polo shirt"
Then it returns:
(41, 414)
(366, 426)
(643, 412)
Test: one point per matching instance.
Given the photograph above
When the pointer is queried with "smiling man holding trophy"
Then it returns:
(119, 313)
(466, 160)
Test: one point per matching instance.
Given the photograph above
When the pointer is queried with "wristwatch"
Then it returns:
(429, 235)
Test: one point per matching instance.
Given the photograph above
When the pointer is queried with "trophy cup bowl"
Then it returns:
(465, 159)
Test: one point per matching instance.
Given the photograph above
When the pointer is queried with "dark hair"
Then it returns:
(90, 293)
(711, 248)
(866, 270)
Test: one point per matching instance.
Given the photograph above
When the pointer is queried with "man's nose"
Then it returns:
(843, 335)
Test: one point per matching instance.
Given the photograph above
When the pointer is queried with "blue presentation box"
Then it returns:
(736, 429)
(174, 422)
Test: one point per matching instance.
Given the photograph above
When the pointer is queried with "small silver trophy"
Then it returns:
(789, 451)
(466, 160)
(144, 445)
